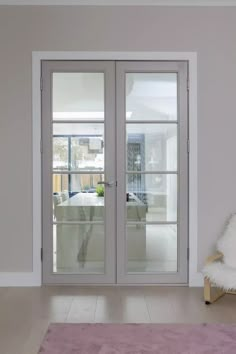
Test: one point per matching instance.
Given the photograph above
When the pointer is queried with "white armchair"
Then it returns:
(220, 269)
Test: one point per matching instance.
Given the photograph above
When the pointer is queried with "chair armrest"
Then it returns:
(215, 257)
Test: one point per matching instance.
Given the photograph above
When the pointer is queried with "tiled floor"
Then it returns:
(25, 313)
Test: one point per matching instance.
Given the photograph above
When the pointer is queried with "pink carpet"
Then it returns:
(139, 338)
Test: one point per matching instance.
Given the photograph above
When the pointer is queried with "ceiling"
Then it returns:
(123, 2)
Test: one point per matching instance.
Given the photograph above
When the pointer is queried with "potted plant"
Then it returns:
(100, 191)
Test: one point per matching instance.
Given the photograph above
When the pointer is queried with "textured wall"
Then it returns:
(209, 31)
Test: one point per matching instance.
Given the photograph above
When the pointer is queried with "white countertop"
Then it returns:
(84, 199)
(91, 199)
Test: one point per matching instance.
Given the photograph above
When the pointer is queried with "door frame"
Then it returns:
(195, 278)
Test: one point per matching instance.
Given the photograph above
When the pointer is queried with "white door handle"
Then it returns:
(107, 184)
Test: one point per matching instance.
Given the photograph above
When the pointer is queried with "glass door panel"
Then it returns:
(78, 95)
(78, 124)
(78, 248)
(151, 197)
(151, 96)
(151, 117)
(78, 146)
(151, 147)
(151, 248)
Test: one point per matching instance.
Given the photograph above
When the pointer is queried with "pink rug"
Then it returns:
(139, 338)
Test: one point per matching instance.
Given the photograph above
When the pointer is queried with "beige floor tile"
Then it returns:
(109, 308)
(134, 309)
(159, 305)
(82, 309)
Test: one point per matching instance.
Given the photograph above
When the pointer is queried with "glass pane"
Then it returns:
(151, 147)
(151, 248)
(151, 96)
(78, 198)
(60, 153)
(78, 147)
(78, 96)
(151, 197)
(78, 248)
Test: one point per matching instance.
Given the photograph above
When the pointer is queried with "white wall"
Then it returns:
(207, 30)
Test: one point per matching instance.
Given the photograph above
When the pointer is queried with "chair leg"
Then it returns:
(208, 297)
(207, 291)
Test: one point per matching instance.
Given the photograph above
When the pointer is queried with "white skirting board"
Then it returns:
(12, 279)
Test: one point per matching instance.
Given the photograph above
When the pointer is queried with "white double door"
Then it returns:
(115, 167)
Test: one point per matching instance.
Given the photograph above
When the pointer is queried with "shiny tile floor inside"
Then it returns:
(25, 313)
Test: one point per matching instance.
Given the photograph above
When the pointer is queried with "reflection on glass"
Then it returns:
(78, 96)
(82, 199)
(151, 96)
(78, 147)
(152, 197)
(151, 147)
(151, 248)
(78, 249)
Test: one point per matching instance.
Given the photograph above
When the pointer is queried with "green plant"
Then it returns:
(100, 191)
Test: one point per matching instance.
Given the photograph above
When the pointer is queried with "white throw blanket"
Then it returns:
(223, 273)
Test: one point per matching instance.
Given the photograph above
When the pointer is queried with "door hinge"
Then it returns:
(41, 254)
(41, 83)
(188, 253)
(188, 85)
(188, 146)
